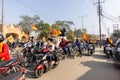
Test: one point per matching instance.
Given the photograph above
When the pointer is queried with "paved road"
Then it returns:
(95, 67)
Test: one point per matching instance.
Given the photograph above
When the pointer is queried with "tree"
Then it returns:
(79, 32)
(43, 27)
(70, 35)
(84, 30)
(116, 34)
(65, 24)
(55, 26)
(27, 21)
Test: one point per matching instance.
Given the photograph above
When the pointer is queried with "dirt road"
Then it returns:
(95, 67)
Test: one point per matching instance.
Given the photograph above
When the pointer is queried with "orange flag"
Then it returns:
(111, 41)
(34, 27)
(10, 39)
(56, 33)
(85, 36)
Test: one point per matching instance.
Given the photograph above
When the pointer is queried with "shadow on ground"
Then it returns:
(99, 56)
(99, 71)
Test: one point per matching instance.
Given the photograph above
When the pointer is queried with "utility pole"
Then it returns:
(99, 14)
(83, 20)
(3, 17)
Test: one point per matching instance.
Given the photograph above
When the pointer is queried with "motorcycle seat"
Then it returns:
(14, 76)
(11, 61)
(3, 63)
(40, 56)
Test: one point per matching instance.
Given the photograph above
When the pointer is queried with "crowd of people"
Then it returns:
(51, 45)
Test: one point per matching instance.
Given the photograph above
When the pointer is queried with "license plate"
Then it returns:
(108, 48)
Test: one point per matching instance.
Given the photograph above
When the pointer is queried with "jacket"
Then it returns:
(5, 52)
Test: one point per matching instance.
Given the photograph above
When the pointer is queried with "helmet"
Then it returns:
(1, 38)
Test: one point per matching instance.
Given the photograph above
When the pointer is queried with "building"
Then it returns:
(15, 30)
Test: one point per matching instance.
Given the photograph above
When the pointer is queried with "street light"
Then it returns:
(83, 20)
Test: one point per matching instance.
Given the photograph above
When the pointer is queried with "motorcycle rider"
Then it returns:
(29, 44)
(90, 42)
(39, 44)
(78, 44)
(51, 47)
(108, 41)
(4, 51)
(63, 45)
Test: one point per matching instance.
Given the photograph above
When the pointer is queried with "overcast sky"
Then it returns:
(52, 10)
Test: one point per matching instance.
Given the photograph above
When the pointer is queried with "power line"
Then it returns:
(110, 18)
(103, 22)
(91, 10)
(109, 15)
(27, 6)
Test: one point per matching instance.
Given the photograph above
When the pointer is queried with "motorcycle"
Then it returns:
(71, 51)
(10, 67)
(20, 75)
(29, 56)
(90, 49)
(61, 53)
(108, 50)
(43, 65)
(77, 51)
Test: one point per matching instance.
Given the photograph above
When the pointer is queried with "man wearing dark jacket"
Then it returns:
(63, 45)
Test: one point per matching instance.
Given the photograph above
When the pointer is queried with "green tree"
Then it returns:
(70, 35)
(65, 24)
(79, 32)
(55, 26)
(44, 31)
(26, 22)
(116, 34)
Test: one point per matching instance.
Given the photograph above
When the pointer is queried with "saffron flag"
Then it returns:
(85, 36)
(56, 33)
(34, 27)
(10, 39)
(111, 41)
